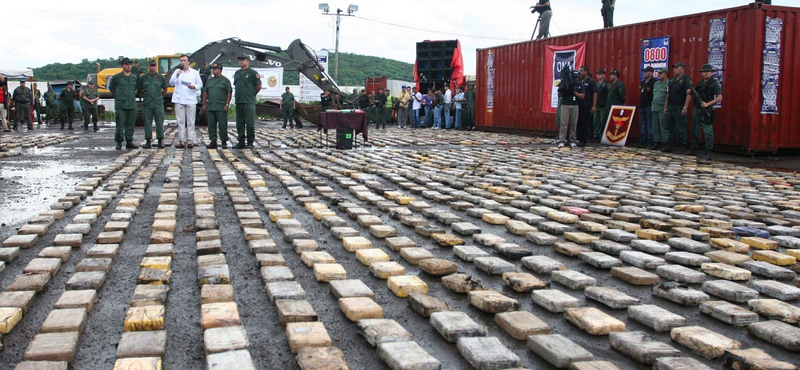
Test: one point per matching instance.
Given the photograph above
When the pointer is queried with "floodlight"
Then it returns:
(324, 7)
(352, 8)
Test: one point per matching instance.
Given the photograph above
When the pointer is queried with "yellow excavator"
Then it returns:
(297, 57)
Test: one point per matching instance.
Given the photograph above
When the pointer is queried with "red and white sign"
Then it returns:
(618, 125)
(556, 58)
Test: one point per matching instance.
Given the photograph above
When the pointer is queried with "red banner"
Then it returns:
(620, 120)
(555, 59)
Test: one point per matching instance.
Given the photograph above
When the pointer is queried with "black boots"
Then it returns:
(147, 144)
(160, 143)
(130, 145)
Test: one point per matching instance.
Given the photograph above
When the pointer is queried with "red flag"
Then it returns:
(416, 76)
(457, 79)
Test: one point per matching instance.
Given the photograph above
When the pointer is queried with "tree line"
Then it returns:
(352, 71)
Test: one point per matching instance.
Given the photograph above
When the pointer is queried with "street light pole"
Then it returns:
(339, 14)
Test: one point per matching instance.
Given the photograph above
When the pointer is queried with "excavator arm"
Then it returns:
(297, 57)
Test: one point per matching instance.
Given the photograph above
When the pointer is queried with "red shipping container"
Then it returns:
(374, 83)
(739, 124)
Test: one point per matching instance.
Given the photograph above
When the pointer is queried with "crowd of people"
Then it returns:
(437, 109)
(584, 106)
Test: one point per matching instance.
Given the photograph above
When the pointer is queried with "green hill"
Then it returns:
(354, 68)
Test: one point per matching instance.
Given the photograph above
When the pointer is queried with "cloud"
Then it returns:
(50, 31)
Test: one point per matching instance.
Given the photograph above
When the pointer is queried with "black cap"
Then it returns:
(679, 64)
(152, 62)
(601, 71)
(648, 69)
(614, 72)
(576, 73)
(216, 66)
(707, 68)
(125, 61)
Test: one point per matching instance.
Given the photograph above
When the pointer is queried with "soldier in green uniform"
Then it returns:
(50, 105)
(287, 106)
(352, 100)
(709, 93)
(152, 86)
(470, 107)
(216, 100)
(601, 113)
(136, 69)
(678, 98)
(616, 90)
(660, 133)
(248, 84)
(22, 105)
(67, 105)
(89, 100)
(123, 88)
(37, 103)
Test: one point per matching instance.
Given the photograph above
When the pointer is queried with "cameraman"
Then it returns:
(543, 8)
(607, 11)
(571, 92)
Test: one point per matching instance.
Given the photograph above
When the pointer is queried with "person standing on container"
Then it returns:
(545, 14)
(679, 96)
(608, 13)
(600, 113)
(646, 104)
(570, 93)
(709, 93)
(187, 83)
(587, 106)
(248, 84)
(660, 132)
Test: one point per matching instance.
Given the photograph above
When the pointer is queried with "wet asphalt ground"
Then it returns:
(36, 178)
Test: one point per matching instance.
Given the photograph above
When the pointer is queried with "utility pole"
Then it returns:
(339, 14)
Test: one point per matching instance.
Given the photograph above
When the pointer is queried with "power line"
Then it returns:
(436, 31)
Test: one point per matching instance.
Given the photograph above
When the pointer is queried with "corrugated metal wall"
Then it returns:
(739, 124)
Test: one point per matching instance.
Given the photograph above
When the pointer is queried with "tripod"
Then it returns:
(533, 35)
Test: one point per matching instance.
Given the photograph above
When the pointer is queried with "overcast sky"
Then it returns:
(40, 32)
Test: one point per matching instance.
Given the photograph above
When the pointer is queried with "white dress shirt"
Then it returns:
(448, 97)
(183, 94)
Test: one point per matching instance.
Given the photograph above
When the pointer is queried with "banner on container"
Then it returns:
(618, 125)
(309, 91)
(655, 53)
(771, 65)
(556, 58)
(716, 49)
(490, 81)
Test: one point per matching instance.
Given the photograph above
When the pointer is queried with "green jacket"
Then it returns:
(248, 84)
(124, 90)
(151, 87)
(67, 96)
(89, 94)
(22, 95)
(50, 97)
(616, 94)
(217, 89)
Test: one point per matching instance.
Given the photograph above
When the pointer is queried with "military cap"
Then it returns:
(648, 69)
(601, 71)
(576, 73)
(707, 68)
(216, 66)
(152, 62)
(663, 70)
(679, 64)
(90, 82)
(614, 72)
(125, 61)
(243, 56)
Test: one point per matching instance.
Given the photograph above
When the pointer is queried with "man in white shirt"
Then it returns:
(416, 105)
(448, 103)
(187, 84)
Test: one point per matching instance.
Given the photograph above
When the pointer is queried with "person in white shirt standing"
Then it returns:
(448, 103)
(416, 105)
(187, 84)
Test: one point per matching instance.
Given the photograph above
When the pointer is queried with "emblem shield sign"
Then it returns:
(618, 125)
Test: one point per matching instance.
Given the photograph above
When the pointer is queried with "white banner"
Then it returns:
(271, 81)
(308, 90)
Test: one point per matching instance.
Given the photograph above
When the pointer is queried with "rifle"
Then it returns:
(706, 111)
